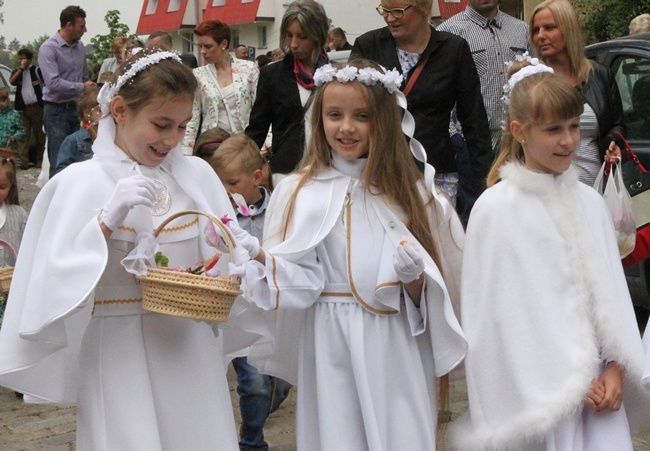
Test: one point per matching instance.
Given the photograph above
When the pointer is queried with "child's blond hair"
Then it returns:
(241, 148)
(538, 98)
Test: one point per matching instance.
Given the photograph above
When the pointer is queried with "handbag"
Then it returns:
(637, 182)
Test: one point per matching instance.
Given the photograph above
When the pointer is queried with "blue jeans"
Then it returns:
(259, 395)
(59, 120)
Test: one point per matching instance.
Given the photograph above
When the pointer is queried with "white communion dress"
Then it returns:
(75, 330)
(544, 307)
(364, 357)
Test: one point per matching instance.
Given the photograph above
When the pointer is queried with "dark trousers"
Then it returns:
(33, 122)
(60, 120)
(259, 395)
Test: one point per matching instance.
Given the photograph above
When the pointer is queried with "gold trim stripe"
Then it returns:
(118, 301)
(348, 226)
(165, 230)
(336, 295)
(387, 284)
(114, 301)
(275, 282)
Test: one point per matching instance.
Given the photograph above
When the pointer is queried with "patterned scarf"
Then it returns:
(304, 78)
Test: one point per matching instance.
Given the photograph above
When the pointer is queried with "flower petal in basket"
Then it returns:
(195, 296)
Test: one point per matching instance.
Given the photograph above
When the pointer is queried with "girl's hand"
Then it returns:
(408, 263)
(129, 192)
(612, 380)
(11, 139)
(596, 395)
(244, 239)
(613, 153)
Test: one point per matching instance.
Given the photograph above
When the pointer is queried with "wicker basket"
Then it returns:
(7, 272)
(190, 295)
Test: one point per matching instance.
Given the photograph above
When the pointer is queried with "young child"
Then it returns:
(75, 329)
(208, 142)
(239, 164)
(11, 125)
(79, 145)
(553, 342)
(13, 217)
(356, 246)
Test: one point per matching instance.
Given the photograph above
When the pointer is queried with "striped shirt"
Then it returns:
(492, 43)
(587, 158)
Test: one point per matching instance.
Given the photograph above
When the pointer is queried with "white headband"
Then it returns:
(391, 80)
(110, 90)
(535, 68)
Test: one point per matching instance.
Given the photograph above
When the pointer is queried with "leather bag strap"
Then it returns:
(415, 76)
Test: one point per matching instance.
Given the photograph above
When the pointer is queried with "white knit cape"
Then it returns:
(544, 302)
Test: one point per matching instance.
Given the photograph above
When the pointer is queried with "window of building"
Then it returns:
(174, 5)
(151, 7)
(218, 2)
(235, 37)
(247, 1)
(261, 38)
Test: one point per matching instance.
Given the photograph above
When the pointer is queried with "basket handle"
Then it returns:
(10, 247)
(227, 235)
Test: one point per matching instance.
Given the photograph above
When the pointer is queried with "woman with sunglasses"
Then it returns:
(438, 73)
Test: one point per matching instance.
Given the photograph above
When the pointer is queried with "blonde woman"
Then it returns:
(557, 37)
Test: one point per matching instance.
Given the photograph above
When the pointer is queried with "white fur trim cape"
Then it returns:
(544, 303)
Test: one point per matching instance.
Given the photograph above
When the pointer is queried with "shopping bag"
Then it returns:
(619, 204)
(637, 183)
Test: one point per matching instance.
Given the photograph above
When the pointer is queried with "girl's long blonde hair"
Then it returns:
(538, 98)
(391, 170)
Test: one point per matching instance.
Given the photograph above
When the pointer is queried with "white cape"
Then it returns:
(544, 304)
(310, 224)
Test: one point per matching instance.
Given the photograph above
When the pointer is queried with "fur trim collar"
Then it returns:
(537, 182)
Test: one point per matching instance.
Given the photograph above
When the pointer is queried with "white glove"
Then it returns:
(408, 263)
(129, 192)
(244, 239)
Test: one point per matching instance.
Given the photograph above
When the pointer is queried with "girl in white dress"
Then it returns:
(553, 344)
(75, 330)
(356, 247)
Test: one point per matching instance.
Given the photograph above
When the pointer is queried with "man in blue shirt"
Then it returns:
(62, 60)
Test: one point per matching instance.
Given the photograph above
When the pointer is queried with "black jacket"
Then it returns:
(19, 104)
(277, 104)
(601, 93)
(449, 78)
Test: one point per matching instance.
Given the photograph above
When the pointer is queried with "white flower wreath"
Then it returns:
(391, 79)
(535, 68)
(110, 90)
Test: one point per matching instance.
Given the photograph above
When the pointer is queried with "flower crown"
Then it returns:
(535, 68)
(391, 79)
(110, 90)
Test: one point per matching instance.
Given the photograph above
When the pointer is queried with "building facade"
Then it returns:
(256, 23)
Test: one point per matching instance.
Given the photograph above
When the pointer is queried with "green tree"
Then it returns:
(3, 44)
(602, 20)
(102, 43)
(14, 45)
(2, 15)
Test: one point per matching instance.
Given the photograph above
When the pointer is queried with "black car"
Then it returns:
(629, 60)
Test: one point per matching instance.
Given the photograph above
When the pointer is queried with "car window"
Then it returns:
(632, 75)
